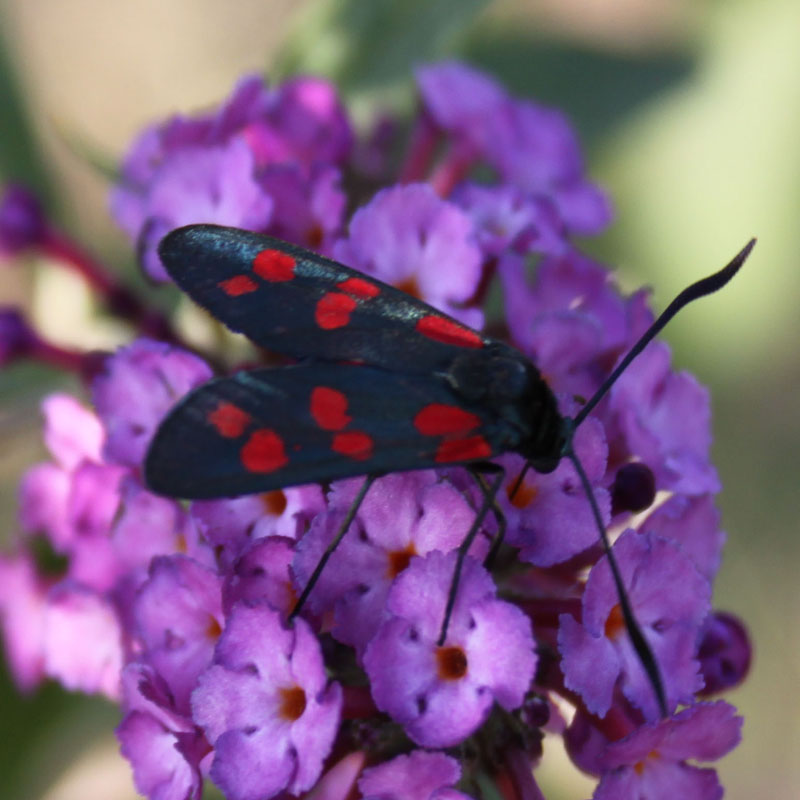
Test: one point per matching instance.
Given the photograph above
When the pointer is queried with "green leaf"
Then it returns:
(595, 88)
(365, 45)
(20, 159)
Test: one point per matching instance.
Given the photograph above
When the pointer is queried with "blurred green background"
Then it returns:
(689, 111)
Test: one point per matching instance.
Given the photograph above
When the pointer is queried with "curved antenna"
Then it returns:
(697, 290)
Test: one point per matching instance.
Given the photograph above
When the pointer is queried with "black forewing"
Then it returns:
(207, 261)
(191, 458)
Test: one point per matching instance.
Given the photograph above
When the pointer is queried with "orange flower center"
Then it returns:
(524, 496)
(274, 502)
(409, 286)
(451, 663)
(213, 629)
(293, 703)
(615, 623)
(399, 560)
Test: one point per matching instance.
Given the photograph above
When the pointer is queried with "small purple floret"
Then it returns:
(420, 775)
(164, 748)
(403, 516)
(266, 706)
(665, 419)
(549, 518)
(178, 613)
(694, 523)
(441, 694)
(651, 762)
(670, 600)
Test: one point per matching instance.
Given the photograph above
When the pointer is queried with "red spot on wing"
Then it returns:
(329, 408)
(439, 419)
(358, 287)
(469, 449)
(263, 452)
(273, 265)
(333, 310)
(447, 331)
(355, 444)
(238, 285)
(229, 420)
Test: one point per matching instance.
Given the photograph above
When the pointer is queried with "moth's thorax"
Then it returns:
(512, 387)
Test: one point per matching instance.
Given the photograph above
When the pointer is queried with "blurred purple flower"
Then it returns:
(75, 614)
(139, 384)
(530, 146)
(693, 522)
(22, 601)
(163, 747)
(17, 338)
(22, 221)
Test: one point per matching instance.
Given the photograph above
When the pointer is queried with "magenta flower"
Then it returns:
(231, 525)
(262, 574)
(22, 602)
(160, 770)
(73, 499)
(76, 614)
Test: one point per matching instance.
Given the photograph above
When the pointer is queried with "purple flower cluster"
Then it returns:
(181, 612)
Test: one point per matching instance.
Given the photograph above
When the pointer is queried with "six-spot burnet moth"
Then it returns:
(383, 383)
